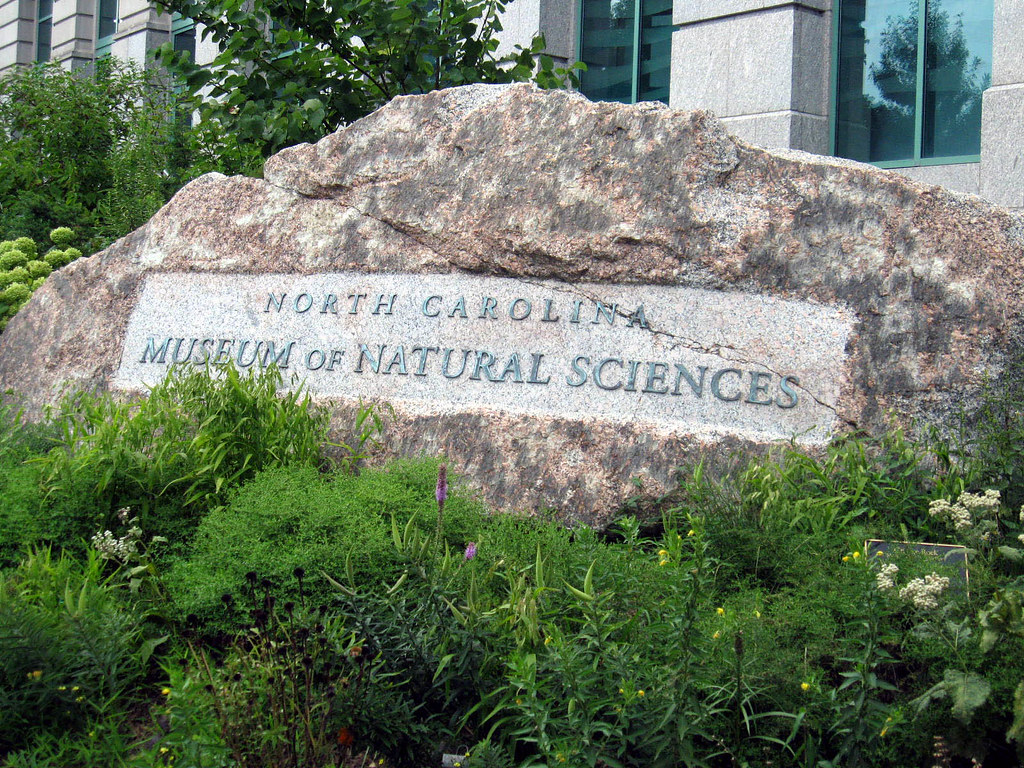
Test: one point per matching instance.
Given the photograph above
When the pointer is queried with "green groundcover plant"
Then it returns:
(318, 614)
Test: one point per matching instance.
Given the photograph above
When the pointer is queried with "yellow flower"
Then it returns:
(884, 731)
(662, 553)
(856, 555)
(640, 693)
(560, 757)
(166, 691)
(716, 635)
(846, 558)
(720, 611)
(663, 562)
(164, 750)
(75, 688)
(805, 686)
(547, 640)
(757, 614)
(519, 702)
(622, 690)
(691, 532)
(62, 687)
(80, 699)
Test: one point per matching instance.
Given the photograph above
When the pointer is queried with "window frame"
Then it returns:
(917, 160)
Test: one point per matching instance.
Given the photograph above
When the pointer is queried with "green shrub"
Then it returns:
(88, 149)
(198, 434)
(37, 269)
(12, 258)
(68, 648)
(288, 518)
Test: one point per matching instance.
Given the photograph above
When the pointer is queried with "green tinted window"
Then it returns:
(627, 47)
(44, 29)
(910, 76)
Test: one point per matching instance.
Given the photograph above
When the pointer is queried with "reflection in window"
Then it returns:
(910, 79)
(626, 45)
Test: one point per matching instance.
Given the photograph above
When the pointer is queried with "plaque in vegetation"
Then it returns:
(559, 295)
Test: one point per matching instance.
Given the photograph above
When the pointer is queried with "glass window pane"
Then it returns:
(655, 50)
(875, 112)
(45, 9)
(958, 67)
(607, 50)
(185, 40)
(108, 18)
(43, 35)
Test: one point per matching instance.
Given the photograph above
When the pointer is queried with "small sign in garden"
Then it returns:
(559, 295)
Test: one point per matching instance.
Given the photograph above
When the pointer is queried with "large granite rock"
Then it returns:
(624, 287)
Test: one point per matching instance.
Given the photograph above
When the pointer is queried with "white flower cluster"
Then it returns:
(924, 593)
(112, 548)
(886, 578)
(975, 511)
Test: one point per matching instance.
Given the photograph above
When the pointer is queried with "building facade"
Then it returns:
(931, 88)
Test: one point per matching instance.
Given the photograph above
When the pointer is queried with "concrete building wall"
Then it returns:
(761, 66)
(1002, 112)
(17, 32)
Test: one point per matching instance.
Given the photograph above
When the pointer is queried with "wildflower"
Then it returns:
(856, 554)
(62, 687)
(519, 702)
(716, 635)
(547, 640)
(166, 691)
(345, 737)
(663, 562)
(164, 750)
(805, 686)
(80, 699)
(640, 693)
(560, 757)
(470, 551)
(886, 578)
(662, 553)
(75, 688)
(757, 614)
(924, 593)
(720, 611)
(35, 675)
(692, 532)
(442, 486)
(355, 651)
(846, 558)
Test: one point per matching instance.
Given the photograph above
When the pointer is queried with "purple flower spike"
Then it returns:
(471, 550)
(442, 485)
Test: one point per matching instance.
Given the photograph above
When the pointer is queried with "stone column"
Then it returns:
(1002, 115)
(17, 33)
(140, 29)
(74, 32)
(762, 66)
(556, 19)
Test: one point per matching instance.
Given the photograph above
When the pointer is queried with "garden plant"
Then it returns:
(208, 578)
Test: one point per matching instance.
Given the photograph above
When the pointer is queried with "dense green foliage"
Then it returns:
(293, 71)
(313, 615)
(95, 152)
(23, 268)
